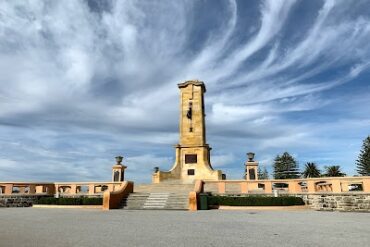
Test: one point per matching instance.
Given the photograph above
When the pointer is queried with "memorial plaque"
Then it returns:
(190, 158)
(191, 172)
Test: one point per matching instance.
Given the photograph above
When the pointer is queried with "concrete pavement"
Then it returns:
(91, 227)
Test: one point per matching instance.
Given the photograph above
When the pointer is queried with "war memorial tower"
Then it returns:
(192, 152)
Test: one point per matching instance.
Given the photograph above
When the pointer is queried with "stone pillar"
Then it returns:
(252, 186)
(57, 190)
(39, 189)
(244, 187)
(311, 186)
(73, 190)
(294, 187)
(91, 189)
(366, 184)
(156, 177)
(344, 186)
(118, 170)
(51, 189)
(268, 187)
(251, 168)
(336, 186)
(8, 189)
(221, 187)
(32, 189)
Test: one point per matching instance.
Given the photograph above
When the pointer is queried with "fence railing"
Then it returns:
(58, 188)
(290, 186)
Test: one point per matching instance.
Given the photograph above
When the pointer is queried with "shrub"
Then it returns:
(70, 201)
(92, 201)
(46, 200)
(255, 201)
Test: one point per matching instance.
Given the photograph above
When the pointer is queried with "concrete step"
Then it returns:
(156, 201)
(156, 191)
(162, 188)
(164, 196)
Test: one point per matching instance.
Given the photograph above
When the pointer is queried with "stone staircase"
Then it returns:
(164, 196)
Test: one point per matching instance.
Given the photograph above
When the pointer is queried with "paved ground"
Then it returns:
(89, 227)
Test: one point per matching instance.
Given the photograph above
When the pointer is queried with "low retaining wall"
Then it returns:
(355, 202)
(346, 202)
(28, 200)
(17, 201)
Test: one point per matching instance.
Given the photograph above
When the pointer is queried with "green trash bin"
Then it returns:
(203, 201)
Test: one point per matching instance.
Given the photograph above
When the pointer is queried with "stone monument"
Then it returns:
(192, 152)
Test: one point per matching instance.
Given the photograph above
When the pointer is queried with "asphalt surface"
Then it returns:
(92, 227)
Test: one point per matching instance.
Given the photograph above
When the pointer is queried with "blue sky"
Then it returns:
(84, 81)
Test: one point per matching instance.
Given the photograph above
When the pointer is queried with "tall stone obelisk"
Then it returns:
(192, 152)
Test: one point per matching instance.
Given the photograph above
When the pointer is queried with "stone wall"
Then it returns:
(349, 202)
(28, 200)
(358, 202)
(17, 200)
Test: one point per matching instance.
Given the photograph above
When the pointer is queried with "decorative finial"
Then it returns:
(119, 160)
(250, 157)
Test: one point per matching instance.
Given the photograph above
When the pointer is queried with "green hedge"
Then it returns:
(254, 201)
(70, 201)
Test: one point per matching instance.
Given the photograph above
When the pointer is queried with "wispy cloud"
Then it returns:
(83, 81)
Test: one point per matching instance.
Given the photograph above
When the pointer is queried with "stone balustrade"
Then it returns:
(194, 195)
(290, 186)
(58, 188)
(113, 199)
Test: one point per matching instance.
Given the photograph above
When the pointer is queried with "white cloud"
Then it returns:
(140, 168)
(80, 85)
(222, 160)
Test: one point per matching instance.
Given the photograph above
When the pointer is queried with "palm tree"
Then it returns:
(334, 171)
(311, 170)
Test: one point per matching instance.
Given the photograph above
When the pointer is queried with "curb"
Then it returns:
(68, 206)
(266, 208)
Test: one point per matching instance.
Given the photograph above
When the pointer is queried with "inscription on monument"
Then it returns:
(191, 172)
(190, 158)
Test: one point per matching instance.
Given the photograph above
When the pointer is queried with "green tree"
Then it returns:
(363, 162)
(259, 172)
(263, 174)
(285, 167)
(333, 171)
(311, 170)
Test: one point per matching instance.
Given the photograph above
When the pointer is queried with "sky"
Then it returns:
(84, 81)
